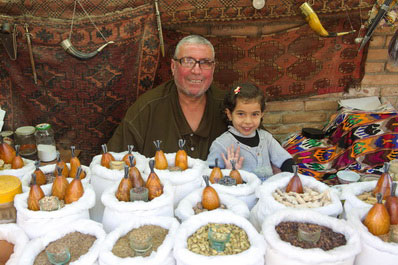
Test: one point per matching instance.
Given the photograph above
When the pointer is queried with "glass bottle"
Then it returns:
(25, 138)
(45, 142)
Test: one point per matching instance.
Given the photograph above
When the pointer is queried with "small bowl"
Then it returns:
(347, 176)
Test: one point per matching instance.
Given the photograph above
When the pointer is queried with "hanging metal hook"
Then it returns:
(68, 47)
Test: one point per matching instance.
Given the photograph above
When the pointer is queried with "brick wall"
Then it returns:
(381, 79)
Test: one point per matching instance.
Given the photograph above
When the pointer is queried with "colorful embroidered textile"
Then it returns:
(360, 141)
(84, 101)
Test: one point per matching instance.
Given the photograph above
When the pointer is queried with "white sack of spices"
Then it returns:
(374, 250)
(281, 252)
(268, 205)
(254, 255)
(117, 212)
(13, 234)
(350, 194)
(29, 166)
(184, 182)
(185, 207)
(164, 253)
(37, 245)
(102, 178)
(38, 223)
(244, 192)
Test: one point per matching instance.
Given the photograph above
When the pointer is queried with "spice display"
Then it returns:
(181, 159)
(77, 243)
(61, 164)
(40, 177)
(4, 166)
(392, 205)
(74, 165)
(117, 165)
(75, 189)
(199, 242)
(295, 184)
(135, 175)
(35, 194)
(235, 173)
(308, 199)
(106, 157)
(160, 158)
(7, 152)
(378, 220)
(153, 184)
(123, 249)
(328, 239)
(126, 157)
(383, 185)
(227, 181)
(198, 208)
(50, 203)
(17, 161)
(60, 184)
(210, 199)
(216, 173)
(125, 185)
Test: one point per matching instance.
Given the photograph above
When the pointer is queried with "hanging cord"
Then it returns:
(92, 22)
(73, 18)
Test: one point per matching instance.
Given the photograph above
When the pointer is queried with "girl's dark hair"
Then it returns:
(245, 91)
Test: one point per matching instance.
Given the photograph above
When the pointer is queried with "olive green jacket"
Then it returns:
(157, 115)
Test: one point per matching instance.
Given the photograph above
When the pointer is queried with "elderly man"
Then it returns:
(187, 107)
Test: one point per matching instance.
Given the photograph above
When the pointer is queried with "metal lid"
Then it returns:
(43, 126)
(25, 130)
(6, 133)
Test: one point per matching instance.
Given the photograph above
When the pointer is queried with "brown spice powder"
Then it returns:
(122, 247)
(77, 243)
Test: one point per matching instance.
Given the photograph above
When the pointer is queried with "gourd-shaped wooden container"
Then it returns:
(126, 157)
(125, 185)
(160, 158)
(383, 185)
(216, 173)
(392, 205)
(7, 152)
(35, 194)
(378, 220)
(60, 184)
(106, 157)
(135, 175)
(75, 189)
(210, 199)
(153, 184)
(61, 164)
(181, 159)
(40, 177)
(17, 161)
(295, 184)
(235, 173)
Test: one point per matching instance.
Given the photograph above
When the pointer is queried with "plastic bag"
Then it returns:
(281, 252)
(34, 247)
(13, 234)
(244, 192)
(37, 223)
(185, 207)
(184, 182)
(163, 255)
(117, 212)
(102, 178)
(252, 256)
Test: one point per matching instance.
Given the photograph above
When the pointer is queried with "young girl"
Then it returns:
(253, 148)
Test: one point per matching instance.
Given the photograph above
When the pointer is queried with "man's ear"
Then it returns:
(172, 66)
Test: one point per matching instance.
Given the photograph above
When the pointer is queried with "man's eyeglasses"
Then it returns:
(189, 62)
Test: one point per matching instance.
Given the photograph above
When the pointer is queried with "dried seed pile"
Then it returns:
(308, 199)
(77, 243)
(122, 247)
(4, 166)
(199, 242)
(329, 239)
(368, 197)
(51, 203)
(198, 208)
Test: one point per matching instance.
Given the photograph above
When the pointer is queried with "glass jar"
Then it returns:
(25, 138)
(45, 142)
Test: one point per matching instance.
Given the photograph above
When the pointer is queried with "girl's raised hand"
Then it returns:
(233, 154)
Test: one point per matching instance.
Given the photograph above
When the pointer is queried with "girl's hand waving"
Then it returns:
(233, 154)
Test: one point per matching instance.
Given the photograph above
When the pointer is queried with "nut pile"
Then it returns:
(199, 243)
(308, 199)
(198, 208)
(368, 197)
